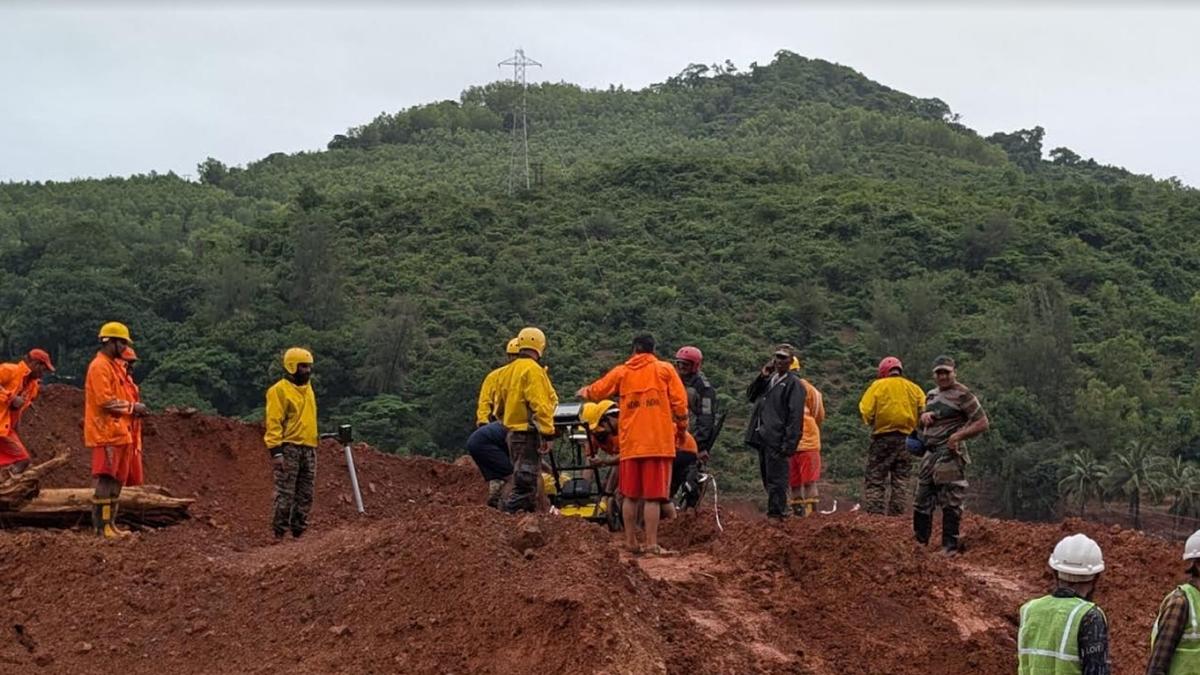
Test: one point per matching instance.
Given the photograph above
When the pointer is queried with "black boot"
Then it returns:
(950, 522)
(97, 517)
(922, 526)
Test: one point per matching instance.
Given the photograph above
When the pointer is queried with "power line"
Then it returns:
(518, 163)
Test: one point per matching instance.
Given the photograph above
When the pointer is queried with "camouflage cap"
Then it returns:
(785, 349)
(943, 362)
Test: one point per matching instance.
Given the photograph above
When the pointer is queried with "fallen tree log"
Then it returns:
(146, 506)
(22, 488)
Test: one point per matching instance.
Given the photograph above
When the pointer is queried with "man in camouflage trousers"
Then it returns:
(290, 435)
(891, 406)
(952, 415)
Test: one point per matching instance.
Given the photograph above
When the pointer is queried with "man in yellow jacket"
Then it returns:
(524, 404)
(291, 439)
(485, 409)
(891, 406)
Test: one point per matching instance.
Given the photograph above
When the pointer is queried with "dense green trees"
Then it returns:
(730, 208)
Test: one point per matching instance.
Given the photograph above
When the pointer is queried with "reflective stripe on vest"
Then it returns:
(1186, 659)
(1048, 640)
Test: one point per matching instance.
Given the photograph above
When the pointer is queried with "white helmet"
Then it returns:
(1077, 558)
(1191, 549)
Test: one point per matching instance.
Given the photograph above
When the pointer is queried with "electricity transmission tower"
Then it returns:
(518, 164)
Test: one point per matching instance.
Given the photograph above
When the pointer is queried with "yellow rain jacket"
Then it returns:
(291, 415)
(485, 409)
(891, 405)
(524, 397)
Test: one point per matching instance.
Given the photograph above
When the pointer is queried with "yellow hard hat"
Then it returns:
(532, 338)
(592, 413)
(294, 357)
(115, 329)
(795, 363)
(512, 347)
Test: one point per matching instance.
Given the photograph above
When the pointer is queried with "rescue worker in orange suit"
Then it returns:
(653, 422)
(805, 465)
(108, 416)
(603, 423)
(20, 383)
(686, 459)
(137, 472)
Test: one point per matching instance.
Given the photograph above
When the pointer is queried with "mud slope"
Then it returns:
(430, 582)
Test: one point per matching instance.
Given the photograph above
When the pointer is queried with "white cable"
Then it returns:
(716, 506)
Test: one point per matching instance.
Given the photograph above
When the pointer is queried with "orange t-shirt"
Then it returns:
(814, 417)
(105, 383)
(653, 405)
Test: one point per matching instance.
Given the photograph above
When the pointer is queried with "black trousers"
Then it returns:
(775, 470)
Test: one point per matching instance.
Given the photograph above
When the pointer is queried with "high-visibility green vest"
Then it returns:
(1048, 640)
(1186, 660)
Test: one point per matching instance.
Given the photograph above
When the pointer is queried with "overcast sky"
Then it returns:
(133, 88)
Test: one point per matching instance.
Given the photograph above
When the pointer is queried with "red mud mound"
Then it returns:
(430, 582)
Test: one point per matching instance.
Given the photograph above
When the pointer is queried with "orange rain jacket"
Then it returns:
(654, 412)
(107, 410)
(13, 384)
(135, 397)
(814, 417)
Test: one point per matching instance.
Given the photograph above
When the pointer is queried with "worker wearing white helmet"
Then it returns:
(1065, 633)
(1175, 638)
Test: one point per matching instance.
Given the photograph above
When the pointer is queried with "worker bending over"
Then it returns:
(485, 408)
(20, 384)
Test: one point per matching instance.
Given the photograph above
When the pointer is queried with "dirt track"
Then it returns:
(429, 581)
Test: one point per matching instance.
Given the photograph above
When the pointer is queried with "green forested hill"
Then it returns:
(795, 201)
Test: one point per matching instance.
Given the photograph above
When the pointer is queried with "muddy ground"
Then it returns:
(430, 581)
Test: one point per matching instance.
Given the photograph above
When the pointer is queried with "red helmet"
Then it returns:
(888, 364)
(690, 354)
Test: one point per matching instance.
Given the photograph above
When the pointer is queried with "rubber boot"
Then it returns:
(922, 526)
(495, 491)
(116, 508)
(105, 512)
(950, 523)
(97, 516)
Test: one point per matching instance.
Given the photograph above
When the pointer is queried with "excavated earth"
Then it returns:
(430, 581)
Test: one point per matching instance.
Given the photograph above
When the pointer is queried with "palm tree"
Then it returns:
(1082, 478)
(1133, 472)
(1181, 481)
